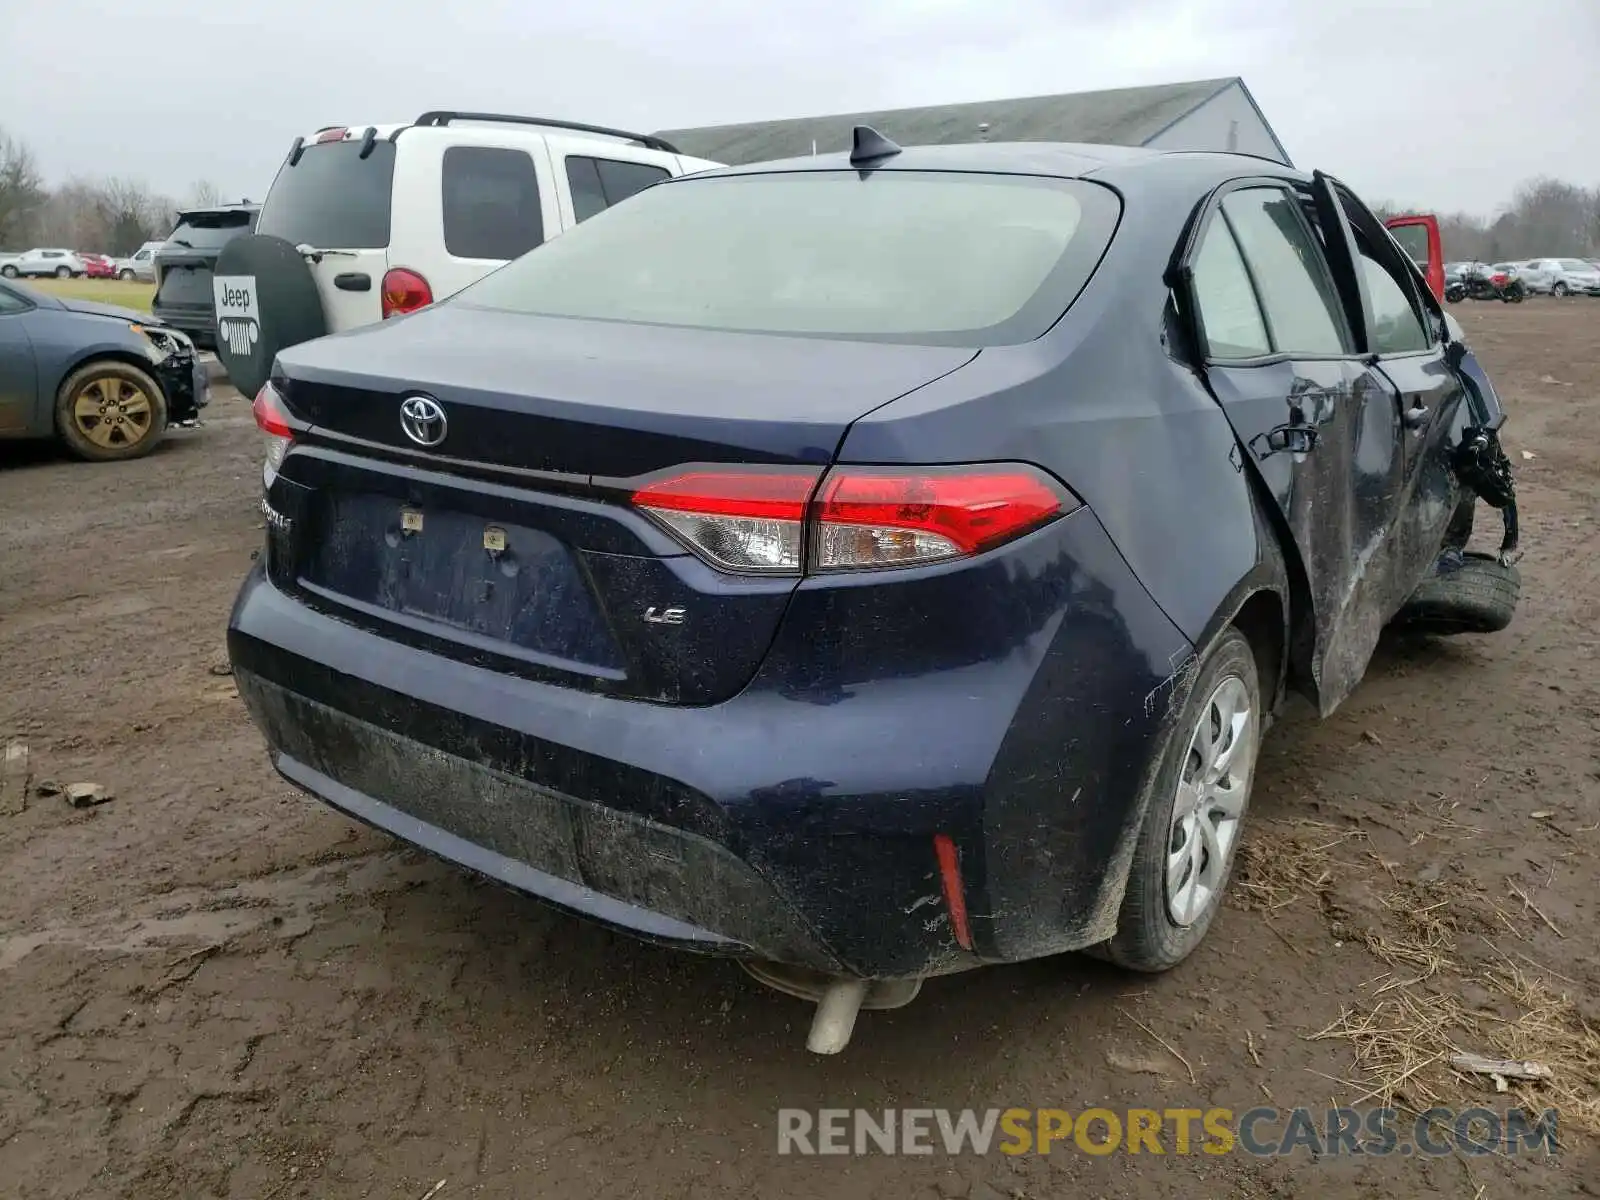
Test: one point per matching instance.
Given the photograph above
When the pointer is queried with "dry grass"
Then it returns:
(1274, 872)
(1417, 1016)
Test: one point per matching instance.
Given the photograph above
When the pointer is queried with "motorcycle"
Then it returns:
(1481, 283)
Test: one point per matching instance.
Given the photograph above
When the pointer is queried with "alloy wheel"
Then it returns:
(1213, 786)
(113, 412)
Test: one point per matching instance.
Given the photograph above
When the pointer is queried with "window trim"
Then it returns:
(1181, 275)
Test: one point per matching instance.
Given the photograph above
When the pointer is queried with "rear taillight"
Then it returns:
(273, 420)
(404, 291)
(782, 522)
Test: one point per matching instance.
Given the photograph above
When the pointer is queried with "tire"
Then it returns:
(1455, 295)
(124, 275)
(1150, 937)
(1560, 289)
(8, 271)
(1479, 596)
(108, 383)
(63, 272)
(273, 304)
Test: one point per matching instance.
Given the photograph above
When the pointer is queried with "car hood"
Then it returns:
(104, 310)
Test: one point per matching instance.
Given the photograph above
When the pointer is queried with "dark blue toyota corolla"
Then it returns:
(868, 566)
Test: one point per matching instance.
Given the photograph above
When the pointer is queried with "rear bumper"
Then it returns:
(794, 822)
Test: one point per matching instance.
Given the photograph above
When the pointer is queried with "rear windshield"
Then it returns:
(209, 230)
(332, 198)
(925, 257)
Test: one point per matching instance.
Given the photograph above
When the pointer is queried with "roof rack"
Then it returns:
(644, 139)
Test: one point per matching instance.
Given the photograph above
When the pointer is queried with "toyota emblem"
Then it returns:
(423, 420)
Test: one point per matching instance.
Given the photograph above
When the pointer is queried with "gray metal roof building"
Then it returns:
(1208, 114)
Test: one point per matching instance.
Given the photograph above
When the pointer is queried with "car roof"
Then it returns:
(1121, 166)
(206, 209)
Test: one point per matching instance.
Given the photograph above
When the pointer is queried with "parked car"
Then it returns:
(141, 264)
(98, 266)
(104, 380)
(867, 566)
(363, 224)
(1569, 276)
(63, 264)
(185, 264)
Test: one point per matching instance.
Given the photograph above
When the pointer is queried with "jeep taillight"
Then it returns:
(756, 521)
(404, 291)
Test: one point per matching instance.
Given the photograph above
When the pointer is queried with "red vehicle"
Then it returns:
(1418, 235)
(98, 266)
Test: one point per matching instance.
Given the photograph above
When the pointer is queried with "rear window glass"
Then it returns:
(209, 230)
(925, 257)
(332, 198)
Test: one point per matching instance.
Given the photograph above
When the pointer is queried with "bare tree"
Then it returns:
(204, 194)
(22, 191)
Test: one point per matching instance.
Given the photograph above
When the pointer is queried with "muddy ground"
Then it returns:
(210, 986)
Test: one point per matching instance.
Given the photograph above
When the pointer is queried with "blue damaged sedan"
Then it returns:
(874, 565)
(105, 381)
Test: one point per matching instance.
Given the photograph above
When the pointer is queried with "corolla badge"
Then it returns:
(423, 420)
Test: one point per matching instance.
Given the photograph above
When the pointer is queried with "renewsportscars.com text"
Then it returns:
(1262, 1131)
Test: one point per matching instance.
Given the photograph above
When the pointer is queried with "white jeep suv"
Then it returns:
(364, 223)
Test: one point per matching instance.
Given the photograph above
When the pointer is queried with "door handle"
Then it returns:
(1298, 439)
(353, 281)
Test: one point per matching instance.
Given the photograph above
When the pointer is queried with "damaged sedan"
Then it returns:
(870, 566)
(106, 381)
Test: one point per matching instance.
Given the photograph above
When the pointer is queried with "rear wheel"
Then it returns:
(63, 272)
(1186, 846)
(8, 271)
(1560, 289)
(108, 411)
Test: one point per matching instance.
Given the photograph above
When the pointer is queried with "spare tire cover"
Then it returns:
(266, 301)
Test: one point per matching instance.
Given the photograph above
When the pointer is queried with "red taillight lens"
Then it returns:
(404, 291)
(869, 517)
(750, 521)
(332, 135)
(746, 521)
(270, 413)
(274, 421)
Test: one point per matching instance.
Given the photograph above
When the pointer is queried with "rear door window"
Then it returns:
(598, 183)
(1229, 313)
(1291, 276)
(491, 203)
(333, 199)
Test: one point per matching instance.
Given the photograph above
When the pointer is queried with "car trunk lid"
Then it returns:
(512, 540)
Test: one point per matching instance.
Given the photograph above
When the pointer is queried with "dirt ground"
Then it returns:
(213, 987)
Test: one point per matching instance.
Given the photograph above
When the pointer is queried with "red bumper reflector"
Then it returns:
(955, 899)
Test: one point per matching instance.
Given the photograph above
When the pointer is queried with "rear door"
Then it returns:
(1320, 432)
(473, 199)
(336, 203)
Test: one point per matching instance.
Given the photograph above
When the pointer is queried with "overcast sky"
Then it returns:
(1437, 103)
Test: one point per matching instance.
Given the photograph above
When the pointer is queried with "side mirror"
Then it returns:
(1418, 235)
